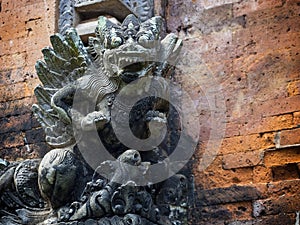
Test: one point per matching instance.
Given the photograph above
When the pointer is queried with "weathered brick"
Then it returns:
(254, 124)
(5, 47)
(283, 218)
(27, 13)
(215, 3)
(11, 92)
(30, 86)
(242, 222)
(10, 32)
(247, 7)
(31, 43)
(21, 74)
(228, 195)
(245, 143)
(267, 77)
(232, 129)
(33, 56)
(285, 172)
(296, 116)
(11, 5)
(31, 151)
(219, 47)
(187, 16)
(215, 176)
(274, 15)
(16, 107)
(222, 74)
(273, 206)
(11, 154)
(208, 215)
(9, 140)
(282, 156)
(5, 76)
(17, 91)
(250, 42)
(290, 137)
(278, 17)
(217, 213)
(255, 58)
(13, 61)
(277, 106)
(281, 188)
(244, 159)
(15, 123)
(293, 88)
(262, 174)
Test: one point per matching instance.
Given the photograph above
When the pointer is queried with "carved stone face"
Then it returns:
(130, 50)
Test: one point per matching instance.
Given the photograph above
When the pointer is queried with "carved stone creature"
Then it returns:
(61, 176)
(25, 187)
(19, 190)
(113, 197)
(117, 56)
(61, 189)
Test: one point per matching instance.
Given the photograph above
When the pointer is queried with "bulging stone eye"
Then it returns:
(146, 40)
(116, 42)
(113, 42)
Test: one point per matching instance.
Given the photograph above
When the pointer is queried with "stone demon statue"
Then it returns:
(63, 188)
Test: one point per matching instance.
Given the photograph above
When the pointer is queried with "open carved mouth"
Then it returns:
(134, 67)
(133, 71)
(128, 63)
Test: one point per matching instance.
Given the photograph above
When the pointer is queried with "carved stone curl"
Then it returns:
(62, 188)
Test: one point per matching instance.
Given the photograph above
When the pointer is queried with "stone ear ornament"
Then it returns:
(62, 188)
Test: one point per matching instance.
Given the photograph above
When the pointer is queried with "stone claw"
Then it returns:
(157, 124)
(74, 206)
(156, 116)
(95, 118)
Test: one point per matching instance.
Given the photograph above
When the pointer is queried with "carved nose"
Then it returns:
(130, 45)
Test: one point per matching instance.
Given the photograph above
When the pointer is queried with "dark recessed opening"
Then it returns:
(285, 172)
(242, 208)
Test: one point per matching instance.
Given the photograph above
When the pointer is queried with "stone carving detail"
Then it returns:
(66, 15)
(62, 188)
(144, 9)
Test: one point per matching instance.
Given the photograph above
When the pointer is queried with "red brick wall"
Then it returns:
(25, 27)
(251, 51)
